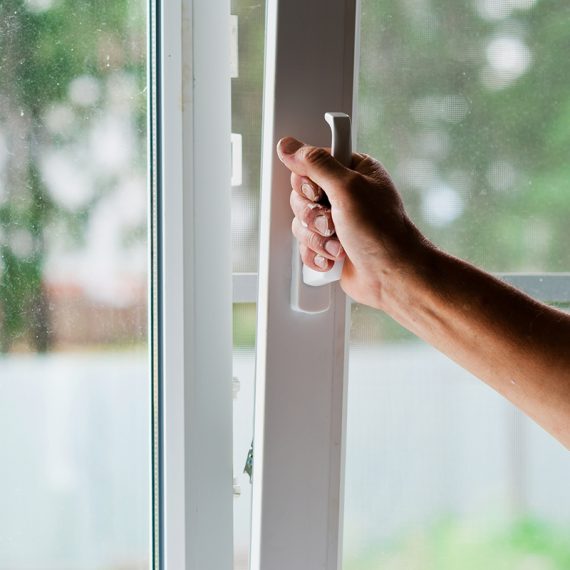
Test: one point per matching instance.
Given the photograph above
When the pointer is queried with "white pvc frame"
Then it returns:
(301, 362)
(195, 360)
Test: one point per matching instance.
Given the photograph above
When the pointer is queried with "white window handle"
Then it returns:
(310, 289)
(341, 149)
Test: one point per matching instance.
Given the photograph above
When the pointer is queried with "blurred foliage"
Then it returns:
(467, 125)
(44, 46)
(247, 92)
(473, 97)
(451, 545)
(456, 132)
(244, 325)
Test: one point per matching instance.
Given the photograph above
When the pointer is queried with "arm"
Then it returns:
(518, 346)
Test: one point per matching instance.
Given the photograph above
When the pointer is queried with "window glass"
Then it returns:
(467, 104)
(247, 91)
(74, 426)
(248, 30)
(442, 473)
(243, 383)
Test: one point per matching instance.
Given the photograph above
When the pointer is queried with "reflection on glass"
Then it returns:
(468, 105)
(73, 292)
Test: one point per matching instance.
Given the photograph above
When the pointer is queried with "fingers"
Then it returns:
(316, 164)
(315, 217)
(327, 247)
(312, 169)
(306, 187)
(314, 260)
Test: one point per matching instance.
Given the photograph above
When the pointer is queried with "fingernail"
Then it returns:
(321, 262)
(322, 226)
(289, 145)
(333, 247)
(309, 191)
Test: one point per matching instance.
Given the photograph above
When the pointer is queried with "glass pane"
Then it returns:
(443, 473)
(247, 91)
(244, 382)
(74, 426)
(468, 105)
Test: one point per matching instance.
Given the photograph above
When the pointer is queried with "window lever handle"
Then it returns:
(341, 149)
(310, 289)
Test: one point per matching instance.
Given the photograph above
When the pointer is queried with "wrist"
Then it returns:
(406, 282)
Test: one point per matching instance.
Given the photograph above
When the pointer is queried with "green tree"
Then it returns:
(474, 97)
(43, 48)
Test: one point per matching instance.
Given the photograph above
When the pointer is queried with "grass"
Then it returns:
(527, 544)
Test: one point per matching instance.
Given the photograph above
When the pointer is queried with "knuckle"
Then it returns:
(353, 180)
(316, 155)
(296, 183)
(295, 226)
(292, 199)
(300, 231)
(315, 241)
(309, 211)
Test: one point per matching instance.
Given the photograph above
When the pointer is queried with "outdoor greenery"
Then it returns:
(468, 105)
(451, 545)
(56, 57)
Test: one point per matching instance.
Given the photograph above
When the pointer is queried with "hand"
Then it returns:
(515, 344)
(366, 222)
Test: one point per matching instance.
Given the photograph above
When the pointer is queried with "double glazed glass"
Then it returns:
(467, 105)
(74, 378)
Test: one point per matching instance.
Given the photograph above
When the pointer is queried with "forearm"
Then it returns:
(518, 346)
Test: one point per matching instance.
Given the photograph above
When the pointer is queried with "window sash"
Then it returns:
(300, 400)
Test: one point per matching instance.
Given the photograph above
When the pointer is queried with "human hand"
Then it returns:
(366, 222)
(480, 322)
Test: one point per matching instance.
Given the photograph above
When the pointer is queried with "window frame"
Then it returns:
(293, 525)
(192, 312)
(300, 400)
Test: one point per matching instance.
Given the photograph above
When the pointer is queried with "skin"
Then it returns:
(518, 346)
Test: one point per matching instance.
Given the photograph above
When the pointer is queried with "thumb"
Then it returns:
(315, 163)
